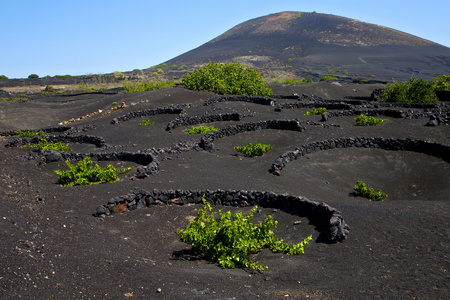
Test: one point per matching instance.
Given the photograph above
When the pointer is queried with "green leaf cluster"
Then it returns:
(230, 242)
(327, 78)
(369, 193)
(297, 81)
(146, 122)
(45, 145)
(85, 173)
(200, 129)
(27, 133)
(442, 82)
(416, 90)
(363, 120)
(316, 111)
(253, 149)
(148, 86)
(228, 78)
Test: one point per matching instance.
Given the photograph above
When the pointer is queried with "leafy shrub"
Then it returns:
(416, 90)
(45, 145)
(229, 242)
(146, 122)
(26, 133)
(253, 149)
(200, 129)
(363, 120)
(84, 173)
(296, 81)
(442, 82)
(3, 77)
(362, 190)
(228, 78)
(64, 76)
(33, 76)
(148, 86)
(327, 78)
(316, 111)
(49, 89)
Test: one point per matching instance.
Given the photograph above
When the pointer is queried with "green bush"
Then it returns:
(362, 190)
(27, 134)
(327, 78)
(200, 129)
(230, 242)
(316, 111)
(363, 120)
(33, 76)
(64, 76)
(442, 82)
(84, 173)
(146, 122)
(148, 86)
(416, 90)
(45, 145)
(253, 149)
(3, 77)
(296, 81)
(228, 78)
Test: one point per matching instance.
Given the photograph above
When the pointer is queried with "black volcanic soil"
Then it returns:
(52, 247)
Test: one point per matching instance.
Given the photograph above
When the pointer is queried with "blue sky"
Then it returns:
(48, 37)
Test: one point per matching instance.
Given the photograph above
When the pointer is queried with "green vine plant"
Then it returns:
(27, 133)
(362, 190)
(45, 145)
(316, 111)
(85, 173)
(146, 122)
(200, 129)
(363, 120)
(230, 242)
(253, 149)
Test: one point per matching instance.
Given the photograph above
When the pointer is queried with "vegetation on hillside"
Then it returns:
(228, 78)
(147, 86)
(416, 90)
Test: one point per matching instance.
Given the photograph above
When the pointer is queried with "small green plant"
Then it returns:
(45, 145)
(230, 242)
(327, 78)
(362, 190)
(253, 149)
(316, 111)
(146, 122)
(228, 78)
(363, 120)
(296, 81)
(33, 76)
(200, 129)
(49, 89)
(3, 77)
(27, 134)
(84, 173)
(148, 86)
(114, 103)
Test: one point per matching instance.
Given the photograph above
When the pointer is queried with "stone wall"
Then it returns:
(435, 149)
(327, 220)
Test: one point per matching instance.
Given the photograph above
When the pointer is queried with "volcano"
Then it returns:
(314, 44)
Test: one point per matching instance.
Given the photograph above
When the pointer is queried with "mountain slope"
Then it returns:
(310, 44)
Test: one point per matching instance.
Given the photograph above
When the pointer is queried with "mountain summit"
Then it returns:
(313, 44)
